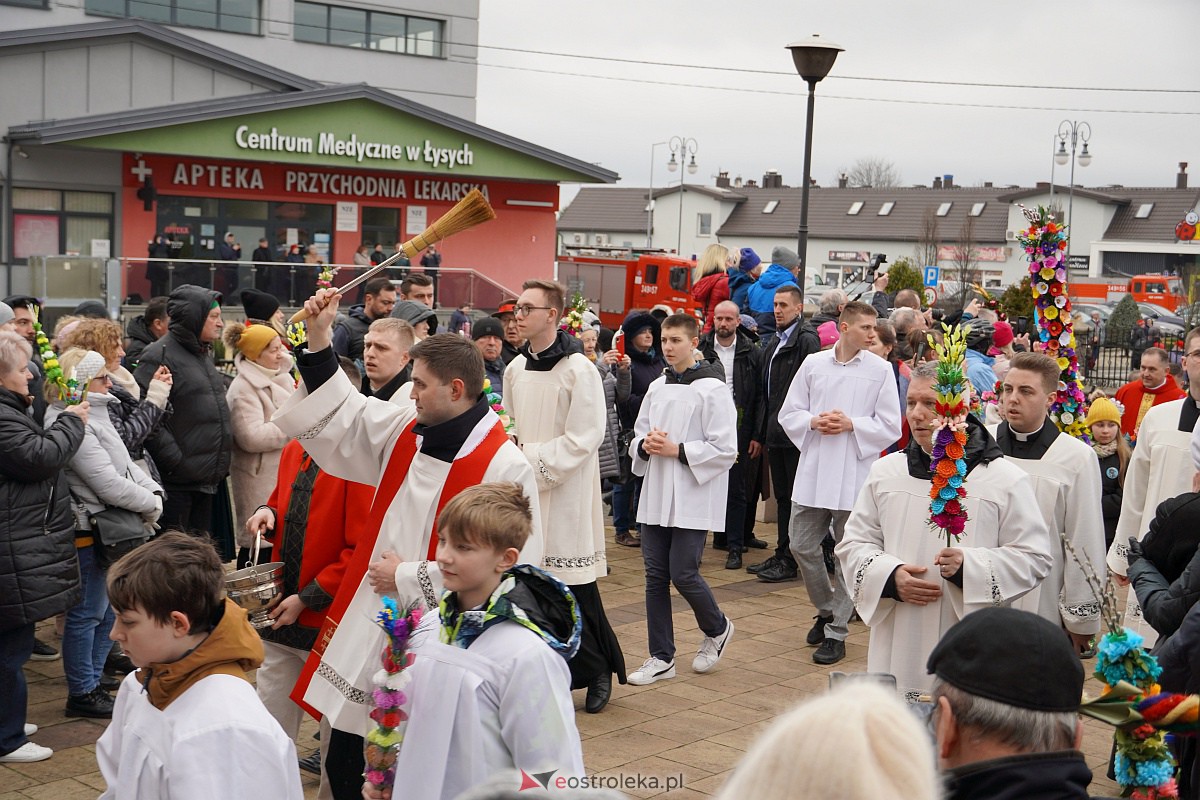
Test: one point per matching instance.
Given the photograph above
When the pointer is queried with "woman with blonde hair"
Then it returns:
(857, 742)
(710, 282)
(262, 385)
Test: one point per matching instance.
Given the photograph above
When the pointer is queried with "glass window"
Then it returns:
(28, 3)
(886, 208)
(196, 13)
(944, 209)
(424, 37)
(388, 32)
(679, 278)
(34, 235)
(347, 26)
(704, 224)
(82, 230)
(1144, 210)
(770, 207)
(311, 23)
(380, 217)
(650, 276)
(855, 207)
(153, 10)
(977, 209)
(239, 16)
(89, 202)
(37, 199)
(246, 209)
(114, 8)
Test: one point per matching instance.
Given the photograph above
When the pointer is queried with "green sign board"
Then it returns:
(356, 133)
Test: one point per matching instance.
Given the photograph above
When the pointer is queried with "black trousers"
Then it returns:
(191, 512)
(599, 651)
(735, 505)
(783, 461)
(344, 765)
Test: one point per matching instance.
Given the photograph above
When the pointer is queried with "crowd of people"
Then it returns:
(467, 473)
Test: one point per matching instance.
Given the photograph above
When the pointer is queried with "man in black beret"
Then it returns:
(1006, 692)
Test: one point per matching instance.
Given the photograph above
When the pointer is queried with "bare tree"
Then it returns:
(966, 259)
(927, 239)
(874, 172)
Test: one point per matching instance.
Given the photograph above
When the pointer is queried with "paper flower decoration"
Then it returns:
(1043, 241)
(494, 401)
(382, 744)
(325, 277)
(572, 321)
(946, 510)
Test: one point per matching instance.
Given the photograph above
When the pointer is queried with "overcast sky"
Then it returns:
(757, 122)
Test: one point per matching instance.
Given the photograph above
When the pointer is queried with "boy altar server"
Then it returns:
(907, 585)
(419, 457)
(685, 441)
(841, 411)
(1067, 485)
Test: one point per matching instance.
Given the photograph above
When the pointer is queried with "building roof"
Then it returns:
(1167, 207)
(710, 191)
(159, 37)
(605, 208)
(829, 217)
(79, 128)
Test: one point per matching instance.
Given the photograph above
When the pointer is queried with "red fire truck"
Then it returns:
(618, 281)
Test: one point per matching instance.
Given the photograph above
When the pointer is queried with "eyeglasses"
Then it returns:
(1192, 354)
(525, 311)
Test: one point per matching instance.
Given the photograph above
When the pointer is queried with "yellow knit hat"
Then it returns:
(1102, 409)
(255, 339)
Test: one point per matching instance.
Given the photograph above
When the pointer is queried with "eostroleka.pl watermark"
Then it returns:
(619, 781)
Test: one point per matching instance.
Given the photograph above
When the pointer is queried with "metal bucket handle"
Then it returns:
(254, 550)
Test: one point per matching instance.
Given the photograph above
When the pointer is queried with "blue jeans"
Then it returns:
(85, 636)
(16, 645)
(625, 503)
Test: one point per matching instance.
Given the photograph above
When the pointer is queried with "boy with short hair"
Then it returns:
(492, 691)
(187, 723)
(685, 441)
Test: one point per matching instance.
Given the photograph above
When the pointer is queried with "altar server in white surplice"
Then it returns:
(907, 585)
(418, 458)
(1161, 468)
(556, 400)
(1067, 485)
(841, 411)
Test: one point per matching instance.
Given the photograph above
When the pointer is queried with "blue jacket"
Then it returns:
(739, 289)
(762, 293)
(980, 372)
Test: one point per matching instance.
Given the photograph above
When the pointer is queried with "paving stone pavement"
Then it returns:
(692, 729)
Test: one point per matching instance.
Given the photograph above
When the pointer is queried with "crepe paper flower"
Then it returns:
(325, 277)
(1043, 241)
(572, 321)
(946, 460)
(494, 400)
(383, 742)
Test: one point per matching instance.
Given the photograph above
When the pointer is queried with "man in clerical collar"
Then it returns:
(841, 411)
(1153, 386)
(1067, 485)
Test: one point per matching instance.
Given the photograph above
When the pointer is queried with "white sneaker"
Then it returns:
(30, 729)
(711, 649)
(655, 669)
(26, 753)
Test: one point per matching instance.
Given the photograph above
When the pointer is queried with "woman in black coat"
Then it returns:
(39, 571)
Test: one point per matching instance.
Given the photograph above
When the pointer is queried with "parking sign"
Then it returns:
(931, 276)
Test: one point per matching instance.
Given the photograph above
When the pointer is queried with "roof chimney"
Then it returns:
(772, 179)
(722, 180)
(948, 181)
(843, 181)
(1181, 178)
(737, 182)
(751, 184)
(987, 184)
(937, 183)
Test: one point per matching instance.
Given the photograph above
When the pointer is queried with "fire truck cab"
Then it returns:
(619, 282)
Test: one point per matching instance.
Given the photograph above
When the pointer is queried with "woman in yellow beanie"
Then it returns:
(262, 385)
(1104, 421)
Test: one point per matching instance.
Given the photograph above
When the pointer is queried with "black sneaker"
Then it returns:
(780, 572)
(754, 569)
(97, 704)
(816, 634)
(117, 663)
(734, 560)
(312, 763)
(109, 683)
(754, 543)
(831, 651)
(44, 652)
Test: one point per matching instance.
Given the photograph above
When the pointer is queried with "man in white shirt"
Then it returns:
(841, 412)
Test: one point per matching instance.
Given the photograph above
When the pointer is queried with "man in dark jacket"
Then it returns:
(192, 449)
(145, 330)
(999, 735)
(39, 570)
(735, 349)
(793, 341)
(379, 298)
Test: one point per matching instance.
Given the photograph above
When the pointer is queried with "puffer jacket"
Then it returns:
(349, 332)
(254, 396)
(610, 456)
(193, 448)
(708, 291)
(39, 571)
(140, 338)
(762, 294)
(739, 288)
(645, 368)
(747, 381)
(102, 473)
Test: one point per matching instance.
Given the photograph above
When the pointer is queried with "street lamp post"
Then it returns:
(1077, 131)
(813, 58)
(650, 199)
(686, 149)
